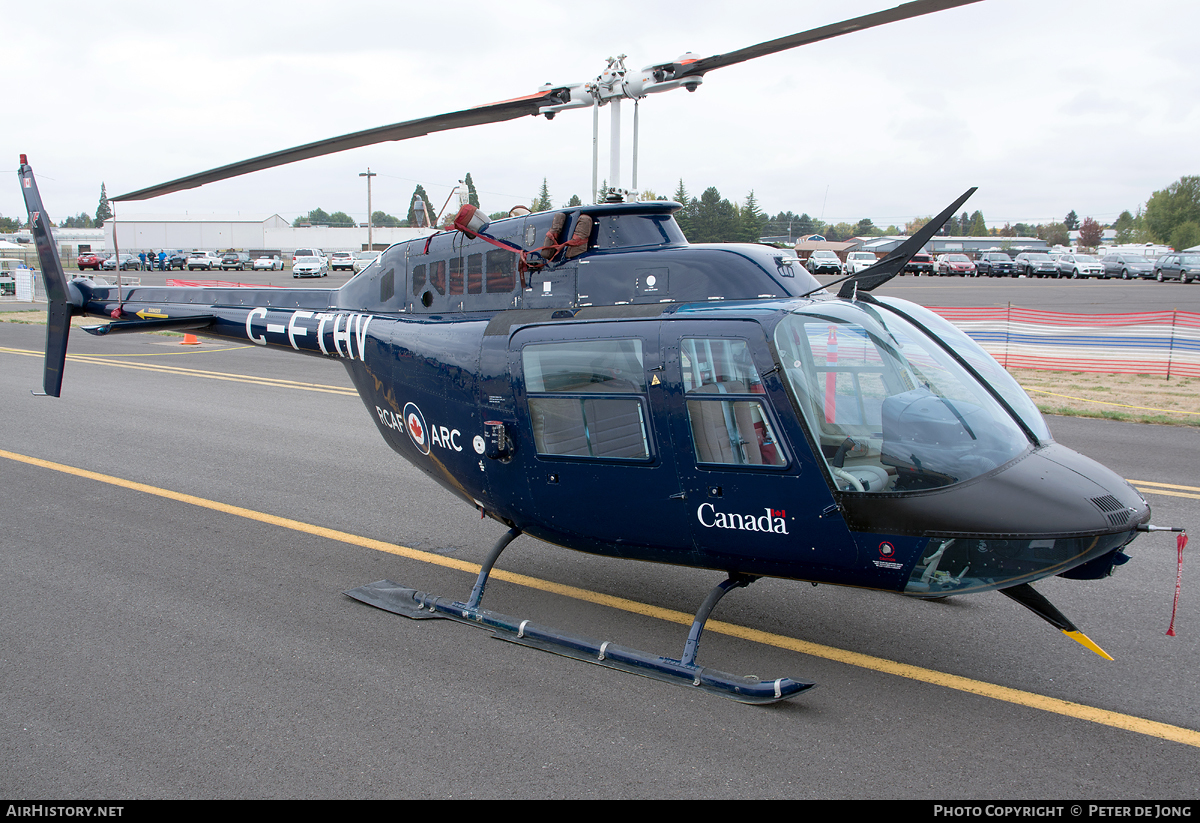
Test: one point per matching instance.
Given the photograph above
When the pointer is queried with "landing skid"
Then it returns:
(389, 596)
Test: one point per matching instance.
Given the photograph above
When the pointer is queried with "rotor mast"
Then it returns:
(614, 84)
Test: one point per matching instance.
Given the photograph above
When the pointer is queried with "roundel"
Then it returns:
(414, 424)
(887, 550)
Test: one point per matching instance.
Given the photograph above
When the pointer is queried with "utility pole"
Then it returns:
(370, 238)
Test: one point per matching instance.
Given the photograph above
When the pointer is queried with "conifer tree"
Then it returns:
(103, 211)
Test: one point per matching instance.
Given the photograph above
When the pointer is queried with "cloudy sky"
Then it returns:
(1046, 105)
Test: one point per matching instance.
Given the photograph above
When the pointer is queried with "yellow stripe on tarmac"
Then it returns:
(1054, 705)
(1162, 488)
(180, 371)
(1107, 402)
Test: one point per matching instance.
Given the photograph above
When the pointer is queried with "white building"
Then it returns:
(218, 232)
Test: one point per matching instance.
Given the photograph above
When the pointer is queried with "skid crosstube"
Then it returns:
(389, 596)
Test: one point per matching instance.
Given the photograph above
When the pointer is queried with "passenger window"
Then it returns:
(475, 274)
(437, 276)
(586, 399)
(729, 431)
(501, 272)
(418, 279)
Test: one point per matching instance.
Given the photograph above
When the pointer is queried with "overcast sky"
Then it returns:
(1046, 105)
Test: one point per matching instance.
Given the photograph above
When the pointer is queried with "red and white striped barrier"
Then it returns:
(1154, 342)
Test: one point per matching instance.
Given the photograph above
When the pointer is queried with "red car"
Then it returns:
(956, 264)
(89, 260)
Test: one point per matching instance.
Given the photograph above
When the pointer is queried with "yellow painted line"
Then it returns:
(1164, 485)
(1054, 705)
(160, 353)
(1108, 403)
(185, 372)
(83, 357)
(1167, 493)
(1150, 487)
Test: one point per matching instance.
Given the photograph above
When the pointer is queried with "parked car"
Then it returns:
(995, 264)
(234, 260)
(1176, 266)
(921, 263)
(1127, 265)
(856, 261)
(310, 267)
(1078, 265)
(177, 260)
(823, 261)
(128, 263)
(298, 253)
(955, 264)
(207, 260)
(268, 263)
(365, 258)
(89, 260)
(1035, 264)
(341, 260)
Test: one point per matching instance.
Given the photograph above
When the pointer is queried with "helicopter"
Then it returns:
(756, 424)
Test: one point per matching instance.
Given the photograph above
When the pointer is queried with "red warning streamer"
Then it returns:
(1180, 542)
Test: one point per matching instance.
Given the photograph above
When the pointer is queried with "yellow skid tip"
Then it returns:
(1085, 641)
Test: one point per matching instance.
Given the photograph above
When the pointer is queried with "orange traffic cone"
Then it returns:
(190, 340)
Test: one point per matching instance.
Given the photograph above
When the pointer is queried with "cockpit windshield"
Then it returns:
(891, 410)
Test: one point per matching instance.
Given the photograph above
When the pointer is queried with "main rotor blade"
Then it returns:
(867, 21)
(490, 113)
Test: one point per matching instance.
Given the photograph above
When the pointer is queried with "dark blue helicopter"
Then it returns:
(754, 423)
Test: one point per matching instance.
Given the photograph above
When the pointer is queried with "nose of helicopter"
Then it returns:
(1048, 512)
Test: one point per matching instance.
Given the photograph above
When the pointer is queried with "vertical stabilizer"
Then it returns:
(62, 299)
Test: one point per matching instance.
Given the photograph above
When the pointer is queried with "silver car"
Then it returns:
(1127, 265)
(363, 259)
(1079, 265)
(310, 267)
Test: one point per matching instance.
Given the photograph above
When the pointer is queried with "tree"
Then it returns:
(103, 211)
(1175, 205)
(1123, 226)
(1055, 234)
(1185, 235)
(8, 225)
(1089, 233)
(915, 225)
(752, 220)
(684, 215)
(316, 217)
(715, 220)
(472, 195)
(340, 219)
(978, 228)
(574, 201)
(542, 201)
(866, 228)
(1071, 221)
(81, 221)
(384, 220)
